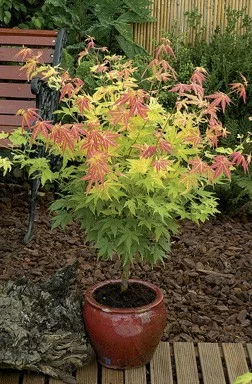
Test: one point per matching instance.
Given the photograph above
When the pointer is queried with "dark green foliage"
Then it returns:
(109, 21)
(228, 55)
(83, 72)
(12, 12)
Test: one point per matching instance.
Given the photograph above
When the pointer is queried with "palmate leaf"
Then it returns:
(131, 205)
(111, 225)
(106, 248)
(221, 166)
(5, 164)
(41, 166)
(61, 220)
(189, 180)
(18, 138)
(4, 135)
(244, 379)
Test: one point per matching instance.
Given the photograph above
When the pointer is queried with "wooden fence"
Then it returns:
(168, 12)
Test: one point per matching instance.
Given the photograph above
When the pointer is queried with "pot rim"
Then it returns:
(90, 292)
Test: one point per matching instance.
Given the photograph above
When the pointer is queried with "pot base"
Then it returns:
(124, 338)
(116, 368)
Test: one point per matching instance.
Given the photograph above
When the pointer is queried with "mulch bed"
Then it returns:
(207, 279)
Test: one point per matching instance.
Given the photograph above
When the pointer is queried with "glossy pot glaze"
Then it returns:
(124, 338)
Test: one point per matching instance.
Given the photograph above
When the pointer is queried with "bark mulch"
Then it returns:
(207, 279)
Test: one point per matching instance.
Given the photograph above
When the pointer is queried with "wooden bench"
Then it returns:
(16, 93)
(180, 363)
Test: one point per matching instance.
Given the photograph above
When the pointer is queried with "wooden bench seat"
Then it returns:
(17, 93)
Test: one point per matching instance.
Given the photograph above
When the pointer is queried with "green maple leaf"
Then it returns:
(131, 205)
(244, 379)
(6, 164)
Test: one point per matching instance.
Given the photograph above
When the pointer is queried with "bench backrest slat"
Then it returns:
(12, 72)
(15, 90)
(32, 37)
(9, 54)
(11, 120)
(7, 108)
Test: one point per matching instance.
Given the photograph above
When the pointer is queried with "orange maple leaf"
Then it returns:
(77, 130)
(107, 139)
(43, 127)
(198, 166)
(146, 151)
(29, 116)
(63, 136)
(134, 100)
(198, 90)
(67, 89)
(98, 168)
(220, 98)
(161, 163)
(83, 103)
(181, 88)
(193, 137)
(130, 97)
(31, 65)
(24, 54)
(120, 115)
(165, 48)
(198, 76)
(165, 146)
(221, 166)
(92, 142)
(240, 89)
(239, 159)
(138, 108)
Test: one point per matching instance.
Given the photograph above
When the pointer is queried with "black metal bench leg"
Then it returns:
(34, 193)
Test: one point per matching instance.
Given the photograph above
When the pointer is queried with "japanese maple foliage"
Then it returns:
(130, 169)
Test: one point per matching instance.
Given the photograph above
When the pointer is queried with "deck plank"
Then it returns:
(33, 378)
(160, 365)
(235, 356)
(211, 364)
(135, 376)
(186, 365)
(249, 349)
(235, 359)
(111, 376)
(7, 377)
(88, 374)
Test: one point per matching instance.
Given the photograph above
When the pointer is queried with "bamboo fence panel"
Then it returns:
(170, 13)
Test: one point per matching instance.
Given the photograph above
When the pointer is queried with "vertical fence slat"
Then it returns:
(167, 12)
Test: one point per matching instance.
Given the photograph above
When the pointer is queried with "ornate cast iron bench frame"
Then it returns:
(16, 93)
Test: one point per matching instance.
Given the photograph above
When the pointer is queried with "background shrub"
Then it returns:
(108, 21)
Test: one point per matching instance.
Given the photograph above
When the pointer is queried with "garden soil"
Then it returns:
(206, 279)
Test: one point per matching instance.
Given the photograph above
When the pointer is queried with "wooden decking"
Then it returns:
(178, 363)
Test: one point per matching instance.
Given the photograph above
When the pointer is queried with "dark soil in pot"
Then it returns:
(136, 295)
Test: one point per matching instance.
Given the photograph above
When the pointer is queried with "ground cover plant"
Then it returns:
(129, 168)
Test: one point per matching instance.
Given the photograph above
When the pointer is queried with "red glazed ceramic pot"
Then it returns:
(124, 338)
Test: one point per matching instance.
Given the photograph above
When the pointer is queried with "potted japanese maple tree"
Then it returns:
(130, 169)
